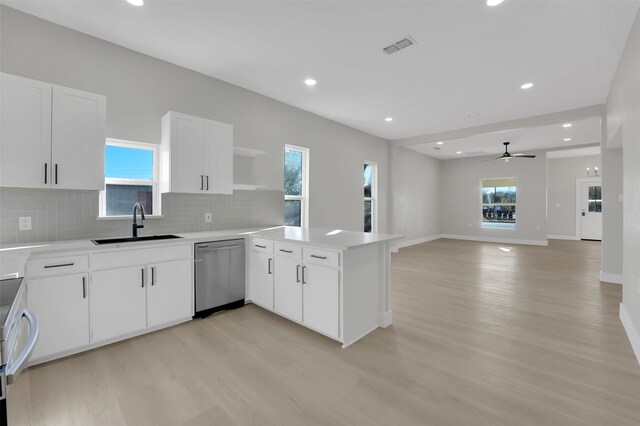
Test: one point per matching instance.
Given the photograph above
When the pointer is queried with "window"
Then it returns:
(370, 195)
(296, 192)
(595, 199)
(499, 203)
(131, 176)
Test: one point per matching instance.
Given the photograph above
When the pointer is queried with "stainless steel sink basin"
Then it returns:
(134, 239)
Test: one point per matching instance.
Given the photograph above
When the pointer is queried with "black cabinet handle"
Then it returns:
(297, 273)
(201, 182)
(142, 279)
(304, 275)
(46, 172)
(269, 266)
(84, 287)
(286, 251)
(319, 257)
(207, 182)
(59, 265)
(56, 173)
(153, 275)
(259, 246)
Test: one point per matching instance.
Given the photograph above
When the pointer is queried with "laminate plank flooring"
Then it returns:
(483, 334)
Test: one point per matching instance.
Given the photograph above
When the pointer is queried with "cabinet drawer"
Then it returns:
(287, 250)
(261, 245)
(57, 266)
(121, 259)
(322, 257)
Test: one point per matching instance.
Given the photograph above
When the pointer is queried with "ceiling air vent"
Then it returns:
(399, 45)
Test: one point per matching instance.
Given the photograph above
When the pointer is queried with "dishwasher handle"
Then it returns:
(204, 249)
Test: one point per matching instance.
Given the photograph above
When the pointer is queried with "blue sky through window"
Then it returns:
(128, 163)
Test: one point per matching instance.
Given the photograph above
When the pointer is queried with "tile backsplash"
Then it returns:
(71, 215)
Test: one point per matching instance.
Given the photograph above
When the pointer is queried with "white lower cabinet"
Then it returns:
(303, 282)
(169, 292)
(321, 299)
(287, 288)
(61, 305)
(261, 279)
(118, 302)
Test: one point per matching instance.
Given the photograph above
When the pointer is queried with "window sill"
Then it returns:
(129, 217)
(499, 226)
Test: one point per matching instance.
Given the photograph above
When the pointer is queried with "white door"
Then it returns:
(218, 154)
(187, 154)
(78, 139)
(321, 299)
(169, 292)
(591, 211)
(261, 284)
(25, 132)
(62, 307)
(287, 288)
(118, 302)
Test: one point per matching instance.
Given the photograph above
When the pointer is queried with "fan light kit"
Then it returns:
(507, 156)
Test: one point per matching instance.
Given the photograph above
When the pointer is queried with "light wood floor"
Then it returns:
(481, 336)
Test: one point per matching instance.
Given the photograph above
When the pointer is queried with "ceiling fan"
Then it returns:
(507, 156)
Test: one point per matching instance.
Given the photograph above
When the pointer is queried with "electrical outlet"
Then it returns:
(24, 223)
(208, 217)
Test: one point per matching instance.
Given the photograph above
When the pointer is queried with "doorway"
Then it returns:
(589, 209)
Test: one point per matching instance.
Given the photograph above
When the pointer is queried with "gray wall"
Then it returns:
(561, 189)
(415, 179)
(623, 115)
(612, 210)
(70, 215)
(140, 89)
(461, 207)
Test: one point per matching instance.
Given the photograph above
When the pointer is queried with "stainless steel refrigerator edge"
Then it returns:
(219, 276)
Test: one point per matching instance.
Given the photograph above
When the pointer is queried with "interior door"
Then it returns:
(591, 211)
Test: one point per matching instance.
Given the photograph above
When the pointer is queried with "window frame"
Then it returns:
(482, 204)
(374, 196)
(304, 185)
(155, 182)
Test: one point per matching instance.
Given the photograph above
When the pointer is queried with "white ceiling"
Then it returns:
(465, 70)
(578, 152)
(582, 132)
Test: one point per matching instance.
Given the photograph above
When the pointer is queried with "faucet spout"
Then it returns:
(134, 225)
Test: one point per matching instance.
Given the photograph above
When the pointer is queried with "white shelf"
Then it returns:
(246, 187)
(247, 152)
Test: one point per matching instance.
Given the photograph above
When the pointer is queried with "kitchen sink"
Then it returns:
(134, 239)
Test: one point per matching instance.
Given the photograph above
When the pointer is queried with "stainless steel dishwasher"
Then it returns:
(219, 276)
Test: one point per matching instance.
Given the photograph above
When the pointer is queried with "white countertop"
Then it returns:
(335, 239)
(14, 257)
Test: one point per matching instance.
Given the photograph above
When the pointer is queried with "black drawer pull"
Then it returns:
(59, 265)
(286, 251)
(259, 246)
(319, 257)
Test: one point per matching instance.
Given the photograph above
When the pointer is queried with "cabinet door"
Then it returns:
(321, 299)
(118, 302)
(62, 307)
(187, 151)
(287, 288)
(261, 288)
(169, 292)
(218, 154)
(25, 132)
(78, 139)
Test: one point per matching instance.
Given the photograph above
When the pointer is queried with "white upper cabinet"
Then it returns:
(25, 132)
(51, 136)
(78, 139)
(197, 155)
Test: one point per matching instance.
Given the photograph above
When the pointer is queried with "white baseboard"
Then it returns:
(562, 237)
(632, 332)
(496, 240)
(396, 245)
(385, 319)
(610, 278)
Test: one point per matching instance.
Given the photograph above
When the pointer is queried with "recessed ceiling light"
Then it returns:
(310, 82)
(440, 143)
(567, 125)
(567, 139)
(136, 2)
(458, 152)
(526, 86)
(388, 119)
(494, 2)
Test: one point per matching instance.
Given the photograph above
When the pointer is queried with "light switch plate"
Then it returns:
(24, 223)
(208, 217)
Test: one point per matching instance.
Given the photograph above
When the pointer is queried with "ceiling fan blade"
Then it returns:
(524, 156)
